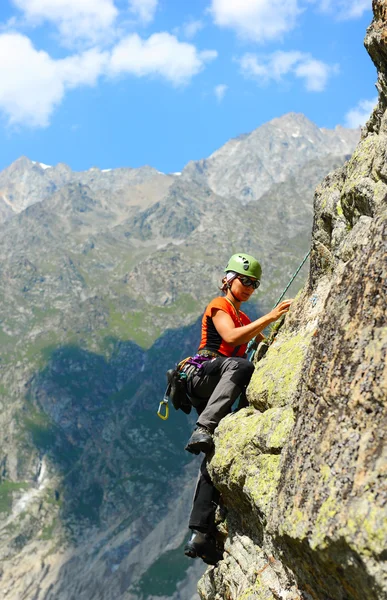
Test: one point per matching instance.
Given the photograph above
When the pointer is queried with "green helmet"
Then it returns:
(244, 264)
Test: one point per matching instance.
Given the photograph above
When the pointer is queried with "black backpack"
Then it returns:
(177, 391)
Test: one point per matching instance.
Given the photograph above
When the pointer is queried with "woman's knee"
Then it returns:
(242, 370)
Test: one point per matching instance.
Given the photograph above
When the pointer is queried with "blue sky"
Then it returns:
(112, 83)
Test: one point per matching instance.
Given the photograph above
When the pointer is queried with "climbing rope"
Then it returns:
(292, 279)
(252, 345)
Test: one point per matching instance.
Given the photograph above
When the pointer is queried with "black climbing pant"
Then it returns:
(214, 389)
(205, 501)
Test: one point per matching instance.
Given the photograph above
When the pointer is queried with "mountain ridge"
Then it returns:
(280, 138)
(44, 180)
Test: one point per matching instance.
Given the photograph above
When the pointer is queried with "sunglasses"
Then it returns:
(247, 282)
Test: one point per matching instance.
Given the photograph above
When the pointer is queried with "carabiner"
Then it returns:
(165, 402)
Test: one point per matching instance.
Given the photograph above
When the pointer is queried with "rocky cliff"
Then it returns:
(303, 469)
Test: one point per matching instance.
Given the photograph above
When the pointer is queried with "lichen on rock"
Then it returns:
(274, 381)
(247, 470)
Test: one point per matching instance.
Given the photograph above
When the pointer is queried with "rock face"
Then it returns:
(303, 469)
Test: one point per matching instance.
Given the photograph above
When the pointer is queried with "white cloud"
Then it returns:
(162, 55)
(257, 20)
(315, 73)
(220, 91)
(276, 66)
(82, 69)
(346, 9)
(143, 9)
(85, 20)
(358, 116)
(32, 84)
(191, 28)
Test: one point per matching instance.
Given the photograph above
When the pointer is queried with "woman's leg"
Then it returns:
(202, 542)
(221, 380)
(205, 501)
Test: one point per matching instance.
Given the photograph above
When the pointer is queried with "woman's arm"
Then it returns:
(241, 335)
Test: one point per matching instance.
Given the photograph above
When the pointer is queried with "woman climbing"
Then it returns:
(216, 376)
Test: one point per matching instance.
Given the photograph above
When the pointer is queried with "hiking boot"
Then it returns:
(203, 545)
(200, 441)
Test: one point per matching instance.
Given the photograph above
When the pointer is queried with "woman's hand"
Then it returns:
(281, 309)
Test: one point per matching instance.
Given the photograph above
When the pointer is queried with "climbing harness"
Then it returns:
(177, 380)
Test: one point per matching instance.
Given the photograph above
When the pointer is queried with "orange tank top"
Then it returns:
(211, 339)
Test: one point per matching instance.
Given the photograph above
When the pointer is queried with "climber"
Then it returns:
(216, 376)
(226, 330)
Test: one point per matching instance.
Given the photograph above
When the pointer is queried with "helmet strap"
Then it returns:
(231, 275)
(233, 295)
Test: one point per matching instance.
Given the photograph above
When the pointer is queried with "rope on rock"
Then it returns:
(292, 279)
(252, 345)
